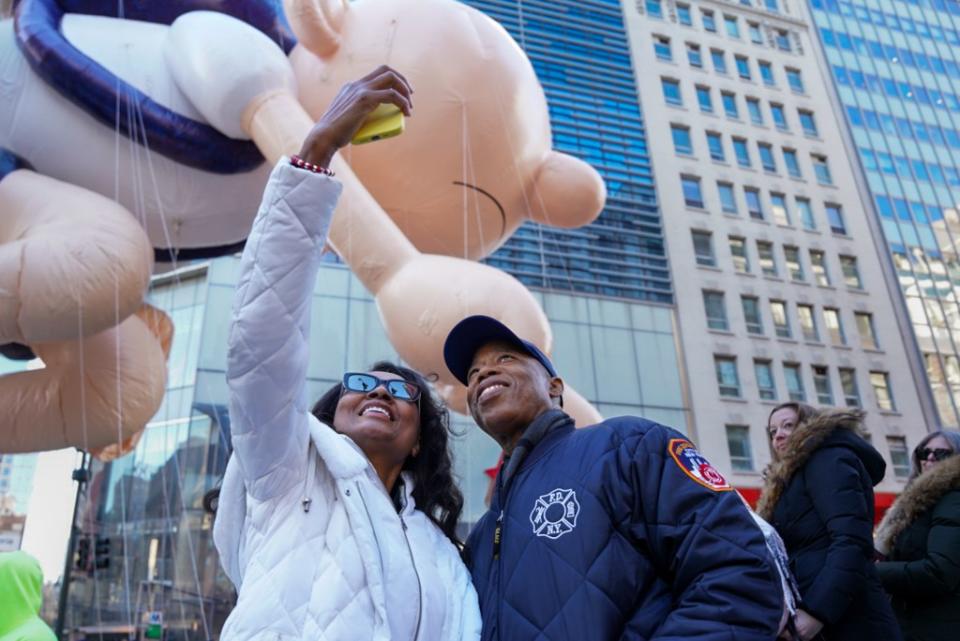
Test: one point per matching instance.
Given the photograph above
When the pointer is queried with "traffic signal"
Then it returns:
(101, 552)
(83, 554)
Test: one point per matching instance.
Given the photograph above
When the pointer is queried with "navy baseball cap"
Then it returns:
(472, 333)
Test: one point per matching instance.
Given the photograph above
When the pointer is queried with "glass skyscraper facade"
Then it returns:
(580, 53)
(896, 66)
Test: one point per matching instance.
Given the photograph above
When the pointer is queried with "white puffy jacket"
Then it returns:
(305, 528)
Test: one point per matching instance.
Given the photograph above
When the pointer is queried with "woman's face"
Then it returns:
(782, 424)
(379, 423)
(930, 461)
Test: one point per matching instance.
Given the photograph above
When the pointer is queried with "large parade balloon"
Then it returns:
(158, 131)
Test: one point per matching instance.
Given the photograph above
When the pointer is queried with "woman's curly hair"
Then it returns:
(434, 490)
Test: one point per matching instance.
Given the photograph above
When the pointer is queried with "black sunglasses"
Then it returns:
(939, 454)
(397, 388)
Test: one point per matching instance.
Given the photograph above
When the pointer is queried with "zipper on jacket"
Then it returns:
(497, 539)
(311, 470)
(416, 572)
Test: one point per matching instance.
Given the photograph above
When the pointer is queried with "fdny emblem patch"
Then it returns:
(555, 513)
(694, 465)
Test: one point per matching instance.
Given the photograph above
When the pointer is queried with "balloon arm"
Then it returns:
(361, 233)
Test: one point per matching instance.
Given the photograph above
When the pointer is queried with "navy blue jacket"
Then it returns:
(621, 531)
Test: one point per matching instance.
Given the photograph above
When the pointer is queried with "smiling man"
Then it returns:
(621, 530)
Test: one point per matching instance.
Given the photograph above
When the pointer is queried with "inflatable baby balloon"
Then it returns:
(477, 160)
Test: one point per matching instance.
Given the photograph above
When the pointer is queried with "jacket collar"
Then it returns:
(923, 493)
(545, 430)
(805, 440)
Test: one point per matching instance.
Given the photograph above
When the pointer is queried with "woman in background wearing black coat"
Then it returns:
(920, 537)
(818, 494)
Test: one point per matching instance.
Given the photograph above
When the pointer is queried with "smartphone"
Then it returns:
(386, 121)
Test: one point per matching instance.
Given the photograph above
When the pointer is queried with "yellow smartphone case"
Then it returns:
(386, 121)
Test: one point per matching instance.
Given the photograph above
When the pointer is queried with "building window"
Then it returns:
(880, 381)
(818, 262)
(738, 251)
(704, 99)
(743, 67)
(782, 39)
(868, 334)
(766, 157)
(807, 122)
(682, 143)
(729, 104)
(821, 384)
(772, 5)
(655, 8)
(754, 207)
(661, 48)
(851, 274)
(806, 213)
(732, 25)
(795, 390)
(694, 57)
(703, 248)
(790, 160)
(821, 169)
(753, 108)
(835, 218)
(716, 310)
(779, 116)
(778, 205)
(768, 264)
(727, 378)
(715, 144)
(795, 80)
(808, 323)
(684, 15)
(692, 195)
(791, 257)
(719, 60)
(708, 19)
(848, 382)
(741, 151)
(781, 322)
(728, 202)
(671, 91)
(898, 456)
(751, 314)
(756, 36)
(765, 384)
(738, 444)
(766, 73)
(831, 318)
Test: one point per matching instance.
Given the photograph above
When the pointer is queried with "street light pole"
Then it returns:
(81, 475)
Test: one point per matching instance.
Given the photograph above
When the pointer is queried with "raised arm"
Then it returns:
(269, 331)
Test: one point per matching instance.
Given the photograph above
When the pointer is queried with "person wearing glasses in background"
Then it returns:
(336, 524)
(920, 540)
(818, 494)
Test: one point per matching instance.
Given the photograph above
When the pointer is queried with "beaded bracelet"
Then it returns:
(299, 162)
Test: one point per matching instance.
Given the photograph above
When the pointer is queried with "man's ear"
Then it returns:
(556, 390)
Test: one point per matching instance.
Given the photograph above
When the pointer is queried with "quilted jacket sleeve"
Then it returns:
(938, 573)
(463, 621)
(269, 331)
(705, 545)
(844, 509)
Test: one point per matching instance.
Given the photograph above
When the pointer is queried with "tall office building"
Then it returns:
(579, 50)
(780, 291)
(896, 71)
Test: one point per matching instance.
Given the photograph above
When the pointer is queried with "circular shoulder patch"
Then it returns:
(694, 465)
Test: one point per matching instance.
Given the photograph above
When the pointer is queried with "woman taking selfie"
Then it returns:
(337, 524)
(818, 494)
(920, 539)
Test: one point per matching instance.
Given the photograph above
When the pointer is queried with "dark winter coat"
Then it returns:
(819, 497)
(621, 531)
(920, 535)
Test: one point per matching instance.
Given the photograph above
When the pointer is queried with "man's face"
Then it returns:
(507, 389)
